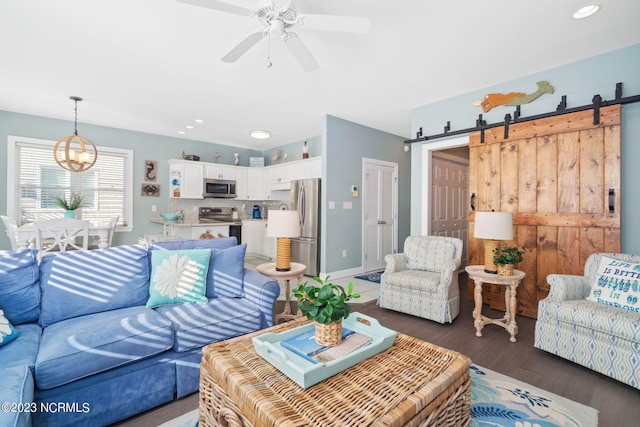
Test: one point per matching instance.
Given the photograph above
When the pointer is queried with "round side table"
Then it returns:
(477, 273)
(296, 272)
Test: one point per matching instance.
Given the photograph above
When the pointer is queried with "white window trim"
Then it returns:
(12, 142)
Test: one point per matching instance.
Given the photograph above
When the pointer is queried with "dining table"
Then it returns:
(26, 235)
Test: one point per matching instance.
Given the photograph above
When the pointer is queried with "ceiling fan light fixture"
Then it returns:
(260, 134)
(586, 11)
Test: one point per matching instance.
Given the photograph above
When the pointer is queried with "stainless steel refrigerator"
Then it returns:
(305, 198)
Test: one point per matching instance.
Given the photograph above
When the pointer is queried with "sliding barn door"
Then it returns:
(560, 177)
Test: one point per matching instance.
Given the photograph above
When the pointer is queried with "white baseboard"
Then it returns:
(342, 273)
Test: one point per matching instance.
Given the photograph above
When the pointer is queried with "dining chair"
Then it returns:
(113, 222)
(61, 235)
(11, 226)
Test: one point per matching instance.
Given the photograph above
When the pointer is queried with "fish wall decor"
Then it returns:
(493, 100)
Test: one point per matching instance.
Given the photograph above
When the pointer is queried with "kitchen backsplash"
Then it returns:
(245, 207)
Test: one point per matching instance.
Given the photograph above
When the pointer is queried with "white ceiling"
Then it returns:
(154, 65)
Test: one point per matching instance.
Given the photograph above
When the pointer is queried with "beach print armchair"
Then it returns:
(423, 280)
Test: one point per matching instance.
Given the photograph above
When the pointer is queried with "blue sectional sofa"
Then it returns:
(90, 351)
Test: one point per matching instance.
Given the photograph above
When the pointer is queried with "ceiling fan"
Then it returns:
(278, 18)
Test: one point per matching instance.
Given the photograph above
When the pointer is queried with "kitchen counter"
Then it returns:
(191, 222)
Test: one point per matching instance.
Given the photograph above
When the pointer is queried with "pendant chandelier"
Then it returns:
(75, 153)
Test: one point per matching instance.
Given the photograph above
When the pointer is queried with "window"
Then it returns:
(34, 180)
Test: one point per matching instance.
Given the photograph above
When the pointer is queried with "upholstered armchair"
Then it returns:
(423, 280)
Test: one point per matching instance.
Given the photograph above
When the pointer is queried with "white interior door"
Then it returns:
(449, 193)
(380, 207)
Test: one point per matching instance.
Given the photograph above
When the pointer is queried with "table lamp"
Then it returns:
(492, 227)
(283, 225)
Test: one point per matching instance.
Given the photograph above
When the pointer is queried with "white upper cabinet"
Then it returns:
(216, 171)
(252, 183)
(256, 184)
(307, 168)
(280, 177)
(185, 179)
(242, 183)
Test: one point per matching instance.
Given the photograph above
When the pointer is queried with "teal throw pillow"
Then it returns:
(178, 276)
(617, 283)
(7, 331)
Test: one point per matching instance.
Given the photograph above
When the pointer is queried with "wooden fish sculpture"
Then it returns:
(514, 98)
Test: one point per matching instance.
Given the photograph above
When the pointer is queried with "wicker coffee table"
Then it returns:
(412, 383)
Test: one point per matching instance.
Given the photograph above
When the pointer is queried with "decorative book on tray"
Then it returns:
(295, 353)
(306, 346)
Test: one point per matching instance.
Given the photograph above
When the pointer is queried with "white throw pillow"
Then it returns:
(617, 283)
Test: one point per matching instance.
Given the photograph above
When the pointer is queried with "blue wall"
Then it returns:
(146, 147)
(345, 144)
(580, 81)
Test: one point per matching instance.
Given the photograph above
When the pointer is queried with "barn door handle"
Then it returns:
(612, 196)
(472, 201)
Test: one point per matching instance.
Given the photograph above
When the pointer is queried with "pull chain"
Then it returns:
(269, 64)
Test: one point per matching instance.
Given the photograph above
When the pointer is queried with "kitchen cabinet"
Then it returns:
(280, 177)
(306, 168)
(216, 171)
(256, 188)
(195, 231)
(185, 179)
(242, 183)
(254, 234)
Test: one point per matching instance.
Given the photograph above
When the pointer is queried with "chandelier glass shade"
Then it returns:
(75, 153)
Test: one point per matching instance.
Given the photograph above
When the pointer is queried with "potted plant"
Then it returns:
(75, 201)
(326, 304)
(504, 258)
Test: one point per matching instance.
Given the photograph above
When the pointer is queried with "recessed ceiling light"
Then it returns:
(189, 127)
(586, 11)
(260, 134)
(199, 121)
(181, 132)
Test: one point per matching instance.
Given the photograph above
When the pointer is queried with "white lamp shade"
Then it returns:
(283, 223)
(493, 225)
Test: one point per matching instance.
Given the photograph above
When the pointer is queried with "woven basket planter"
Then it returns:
(505, 270)
(329, 335)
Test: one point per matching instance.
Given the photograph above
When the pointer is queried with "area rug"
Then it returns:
(498, 401)
(371, 277)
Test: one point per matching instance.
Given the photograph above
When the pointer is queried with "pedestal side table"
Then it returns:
(296, 272)
(477, 273)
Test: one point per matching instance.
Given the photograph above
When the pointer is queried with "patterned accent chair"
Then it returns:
(601, 337)
(423, 281)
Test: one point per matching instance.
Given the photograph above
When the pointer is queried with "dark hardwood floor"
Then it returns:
(618, 403)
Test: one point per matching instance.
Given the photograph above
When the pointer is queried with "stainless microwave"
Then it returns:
(220, 188)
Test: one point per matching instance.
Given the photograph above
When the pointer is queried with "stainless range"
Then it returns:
(208, 215)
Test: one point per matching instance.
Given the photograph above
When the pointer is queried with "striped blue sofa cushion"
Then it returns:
(19, 292)
(79, 347)
(78, 283)
(198, 324)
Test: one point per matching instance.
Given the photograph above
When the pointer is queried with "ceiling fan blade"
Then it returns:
(243, 46)
(300, 51)
(219, 5)
(350, 24)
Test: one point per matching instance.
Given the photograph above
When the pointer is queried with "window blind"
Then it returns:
(39, 180)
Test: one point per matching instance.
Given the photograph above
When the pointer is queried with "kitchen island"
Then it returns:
(194, 228)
